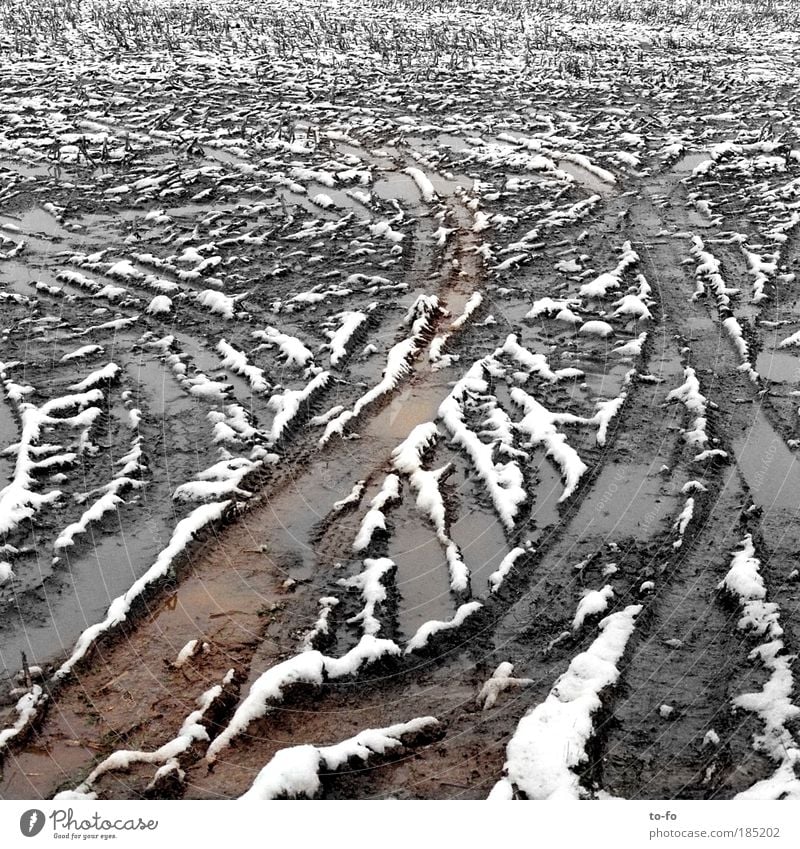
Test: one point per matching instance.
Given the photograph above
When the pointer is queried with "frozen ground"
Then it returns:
(399, 402)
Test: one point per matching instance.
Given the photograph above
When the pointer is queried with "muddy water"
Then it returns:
(626, 499)
(771, 470)
(585, 178)
(9, 433)
(686, 164)
(546, 494)
(778, 366)
(480, 536)
(397, 185)
(77, 592)
(422, 579)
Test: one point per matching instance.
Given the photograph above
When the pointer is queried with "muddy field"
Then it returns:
(399, 403)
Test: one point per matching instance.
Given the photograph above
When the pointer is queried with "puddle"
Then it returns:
(603, 384)
(28, 169)
(586, 179)
(771, 471)
(455, 143)
(698, 220)
(157, 390)
(43, 224)
(778, 366)
(423, 579)
(101, 567)
(549, 488)
(9, 434)
(218, 154)
(20, 278)
(689, 162)
(483, 545)
(626, 499)
(397, 186)
(701, 323)
(408, 408)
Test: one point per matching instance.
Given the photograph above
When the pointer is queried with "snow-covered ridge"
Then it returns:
(550, 741)
(295, 772)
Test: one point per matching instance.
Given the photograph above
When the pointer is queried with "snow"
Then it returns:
(371, 583)
(536, 363)
(322, 625)
(550, 741)
(539, 424)
(295, 772)
(189, 651)
(351, 323)
(596, 328)
(709, 271)
(504, 481)
(290, 403)
(689, 394)
(429, 629)
(424, 184)
(237, 362)
(308, 667)
(407, 459)
(192, 731)
(159, 305)
(80, 353)
(731, 324)
(682, 522)
(106, 374)
(26, 708)
(633, 306)
(549, 306)
(118, 611)
(438, 343)
(18, 500)
(217, 302)
(218, 481)
(599, 287)
(506, 564)
(774, 704)
(420, 317)
(500, 681)
(592, 603)
(353, 497)
(293, 350)
(375, 518)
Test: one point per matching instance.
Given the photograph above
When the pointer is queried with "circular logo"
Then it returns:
(31, 822)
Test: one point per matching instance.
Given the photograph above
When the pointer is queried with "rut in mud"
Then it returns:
(473, 424)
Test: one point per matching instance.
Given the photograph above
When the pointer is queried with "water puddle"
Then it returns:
(411, 406)
(697, 219)
(9, 434)
(455, 143)
(771, 470)
(42, 223)
(480, 536)
(397, 186)
(606, 383)
(626, 499)
(778, 366)
(549, 488)
(423, 581)
(28, 169)
(585, 178)
(687, 163)
(101, 567)
(157, 390)
(702, 324)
